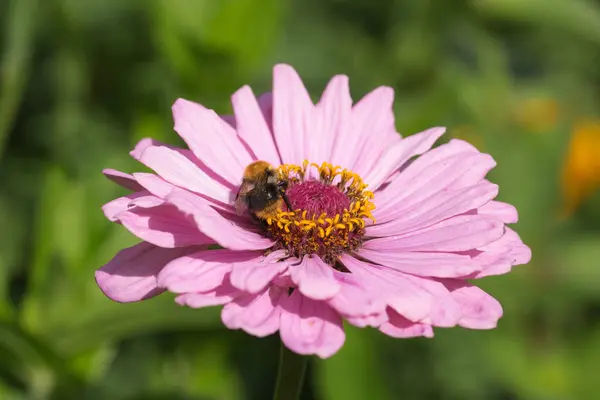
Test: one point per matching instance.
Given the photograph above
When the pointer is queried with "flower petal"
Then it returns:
(210, 222)
(254, 275)
(500, 256)
(356, 299)
(122, 179)
(442, 265)
(163, 226)
(265, 102)
(211, 139)
(131, 274)
(180, 171)
(332, 123)
(310, 327)
(438, 207)
(314, 278)
(201, 271)
(222, 294)
(503, 211)
(479, 309)
(362, 321)
(395, 289)
(147, 142)
(445, 311)
(400, 327)
(395, 156)
(252, 126)
(449, 167)
(460, 233)
(368, 134)
(113, 208)
(293, 115)
(257, 314)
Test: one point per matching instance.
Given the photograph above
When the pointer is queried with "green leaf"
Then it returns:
(20, 23)
(33, 362)
(580, 17)
(115, 322)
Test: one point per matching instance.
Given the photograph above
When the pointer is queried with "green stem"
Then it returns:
(290, 375)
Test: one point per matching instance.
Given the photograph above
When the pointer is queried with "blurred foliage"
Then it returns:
(82, 81)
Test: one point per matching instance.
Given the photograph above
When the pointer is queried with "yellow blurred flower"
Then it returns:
(581, 170)
(537, 114)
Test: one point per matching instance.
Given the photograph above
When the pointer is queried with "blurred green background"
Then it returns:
(82, 80)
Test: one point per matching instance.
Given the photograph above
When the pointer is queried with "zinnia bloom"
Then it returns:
(384, 232)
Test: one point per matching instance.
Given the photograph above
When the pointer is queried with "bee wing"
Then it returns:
(240, 199)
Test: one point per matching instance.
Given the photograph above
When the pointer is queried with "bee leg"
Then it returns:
(287, 201)
(260, 222)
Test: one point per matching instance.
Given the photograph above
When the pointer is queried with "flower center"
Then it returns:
(330, 209)
(316, 198)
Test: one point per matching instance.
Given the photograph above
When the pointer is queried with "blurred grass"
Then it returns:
(81, 82)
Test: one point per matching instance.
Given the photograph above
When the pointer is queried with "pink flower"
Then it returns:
(399, 257)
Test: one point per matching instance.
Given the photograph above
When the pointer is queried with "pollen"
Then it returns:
(331, 208)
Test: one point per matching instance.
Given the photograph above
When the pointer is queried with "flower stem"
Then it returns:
(290, 376)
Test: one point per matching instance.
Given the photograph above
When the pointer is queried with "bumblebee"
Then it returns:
(262, 191)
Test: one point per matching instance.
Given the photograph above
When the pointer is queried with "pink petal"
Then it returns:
(438, 207)
(180, 171)
(131, 274)
(163, 226)
(442, 265)
(374, 114)
(399, 327)
(445, 311)
(252, 126)
(479, 309)
(429, 176)
(355, 298)
(314, 278)
(310, 327)
(370, 130)
(265, 102)
(162, 189)
(122, 179)
(395, 156)
(503, 211)
(500, 256)
(212, 140)
(154, 184)
(230, 119)
(394, 288)
(210, 222)
(254, 275)
(293, 115)
(256, 314)
(222, 294)
(113, 208)
(148, 201)
(201, 271)
(147, 143)
(455, 234)
(332, 122)
(362, 321)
